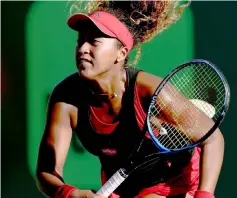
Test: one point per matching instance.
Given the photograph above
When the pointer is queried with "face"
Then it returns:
(96, 53)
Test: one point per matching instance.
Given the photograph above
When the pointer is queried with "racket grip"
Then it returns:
(114, 182)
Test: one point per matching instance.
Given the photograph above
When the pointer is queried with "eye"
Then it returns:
(93, 41)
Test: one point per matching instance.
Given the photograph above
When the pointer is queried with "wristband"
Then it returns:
(203, 194)
(64, 191)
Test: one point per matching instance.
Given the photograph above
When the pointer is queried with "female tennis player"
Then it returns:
(105, 104)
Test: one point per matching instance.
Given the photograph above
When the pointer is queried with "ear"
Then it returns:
(122, 54)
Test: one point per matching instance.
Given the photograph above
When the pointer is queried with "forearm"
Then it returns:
(211, 162)
(48, 183)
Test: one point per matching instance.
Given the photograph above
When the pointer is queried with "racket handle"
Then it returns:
(114, 182)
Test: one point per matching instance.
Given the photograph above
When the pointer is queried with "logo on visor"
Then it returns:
(97, 15)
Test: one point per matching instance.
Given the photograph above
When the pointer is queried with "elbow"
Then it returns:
(216, 140)
(220, 141)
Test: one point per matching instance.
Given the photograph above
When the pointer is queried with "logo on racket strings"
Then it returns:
(163, 131)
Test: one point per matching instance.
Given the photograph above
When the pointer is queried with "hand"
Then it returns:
(84, 194)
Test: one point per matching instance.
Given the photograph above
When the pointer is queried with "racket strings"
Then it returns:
(189, 120)
(210, 80)
(205, 84)
(185, 87)
(174, 136)
(174, 139)
(155, 124)
(196, 84)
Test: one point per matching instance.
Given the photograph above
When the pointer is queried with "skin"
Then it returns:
(100, 62)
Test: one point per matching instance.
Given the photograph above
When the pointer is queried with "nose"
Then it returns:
(84, 48)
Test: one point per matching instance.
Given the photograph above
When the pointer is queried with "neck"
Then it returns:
(110, 86)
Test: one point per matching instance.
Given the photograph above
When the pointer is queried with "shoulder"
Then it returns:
(64, 101)
(147, 83)
(67, 90)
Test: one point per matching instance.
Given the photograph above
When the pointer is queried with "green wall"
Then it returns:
(216, 40)
(33, 50)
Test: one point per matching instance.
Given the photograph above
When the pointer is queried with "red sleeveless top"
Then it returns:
(107, 128)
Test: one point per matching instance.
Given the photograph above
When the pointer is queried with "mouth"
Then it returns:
(84, 60)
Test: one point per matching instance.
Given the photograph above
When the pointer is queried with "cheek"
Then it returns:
(108, 54)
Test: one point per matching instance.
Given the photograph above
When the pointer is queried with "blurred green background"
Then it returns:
(38, 52)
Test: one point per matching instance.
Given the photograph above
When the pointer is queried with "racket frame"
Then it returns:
(217, 122)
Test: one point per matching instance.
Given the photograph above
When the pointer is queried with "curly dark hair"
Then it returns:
(144, 19)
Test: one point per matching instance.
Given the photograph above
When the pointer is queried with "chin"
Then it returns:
(86, 74)
(84, 71)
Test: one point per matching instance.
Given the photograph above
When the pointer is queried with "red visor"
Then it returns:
(107, 23)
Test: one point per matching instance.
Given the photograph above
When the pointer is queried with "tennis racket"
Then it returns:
(187, 107)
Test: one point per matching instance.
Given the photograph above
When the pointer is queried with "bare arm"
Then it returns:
(54, 148)
(211, 161)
